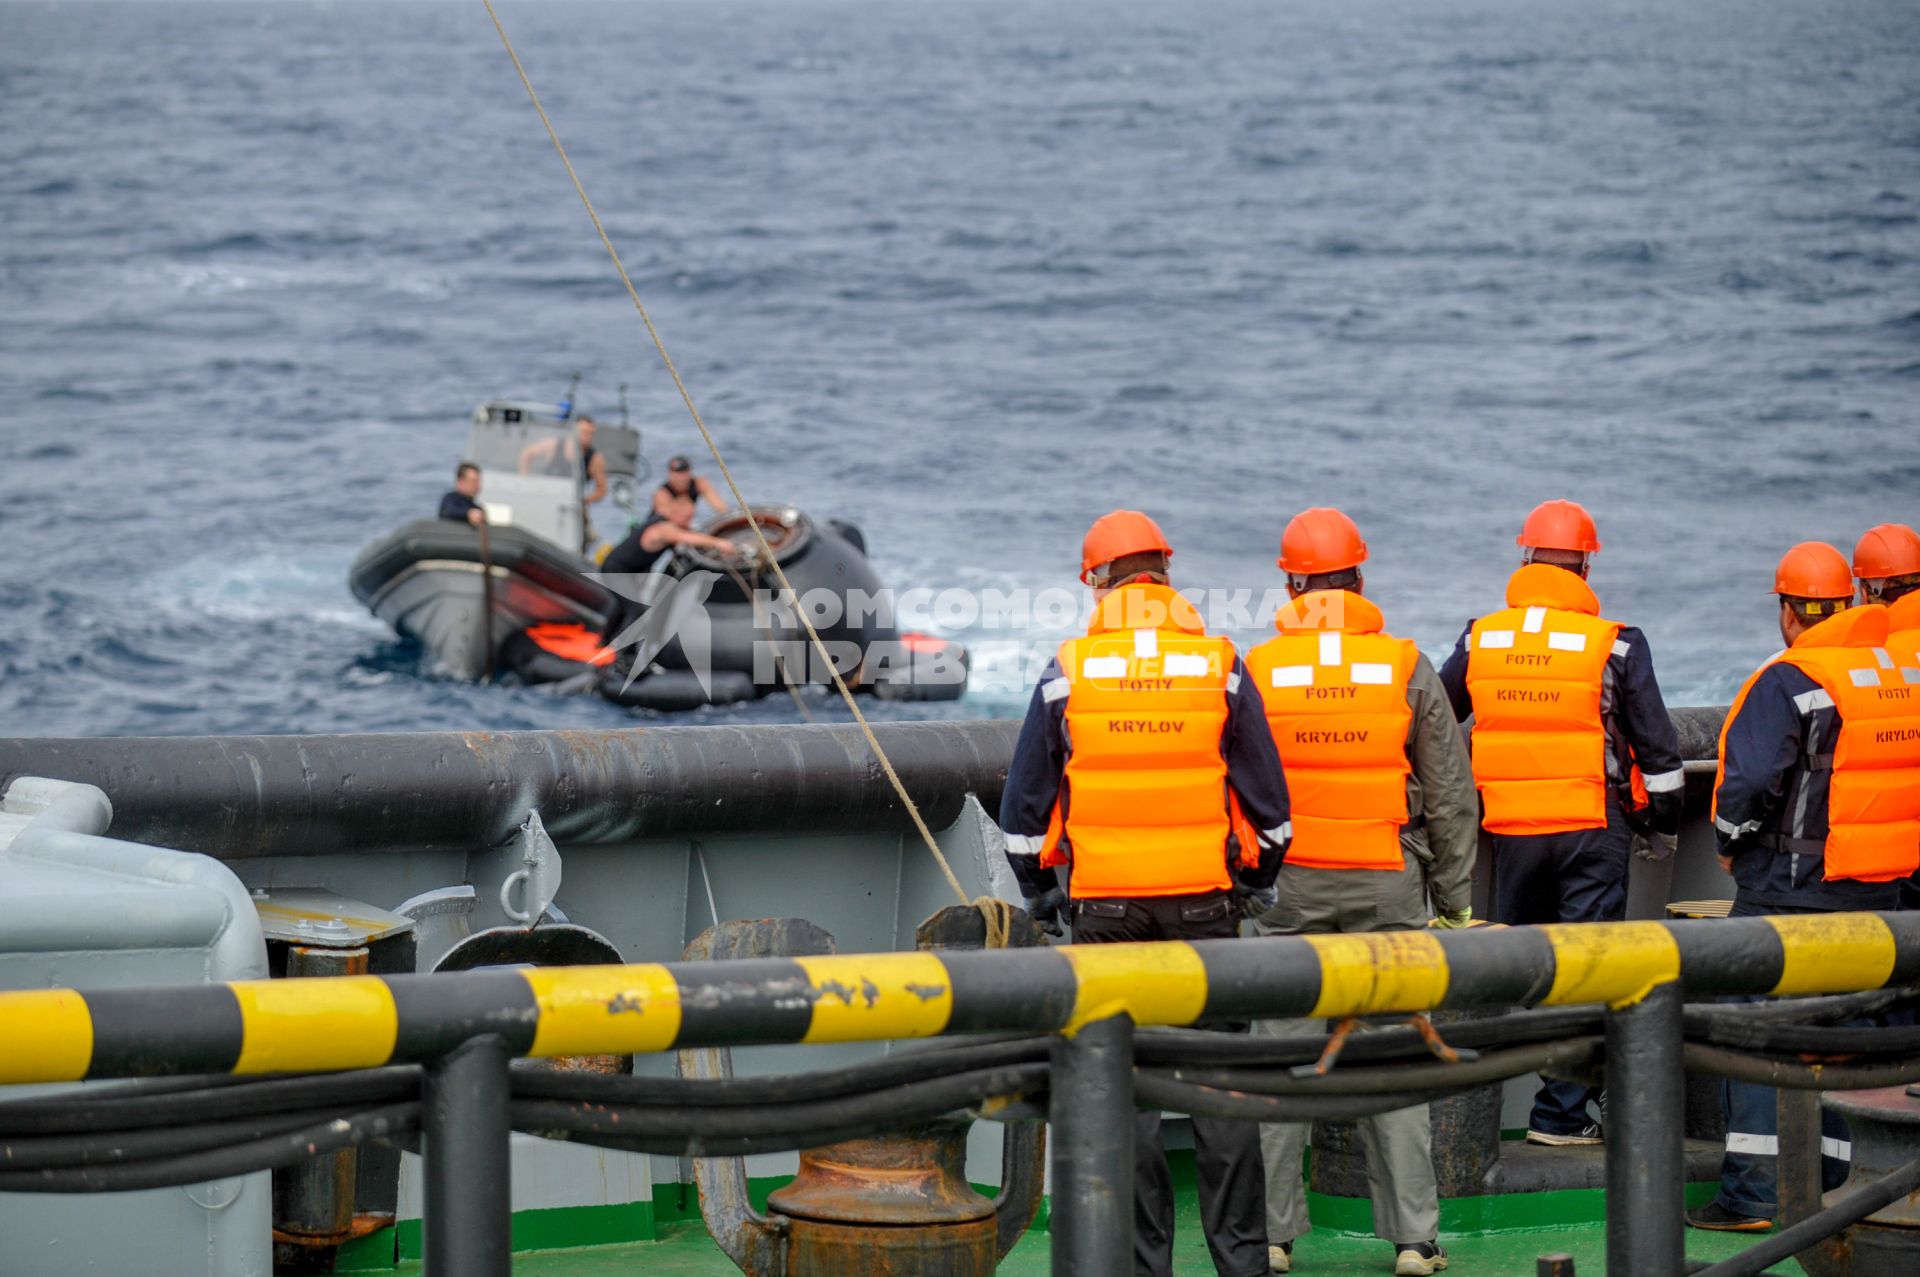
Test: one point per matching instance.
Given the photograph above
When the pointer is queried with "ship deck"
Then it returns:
(1493, 1236)
(685, 1250)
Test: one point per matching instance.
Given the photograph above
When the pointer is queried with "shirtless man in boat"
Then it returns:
(684, 488)
(641, 550)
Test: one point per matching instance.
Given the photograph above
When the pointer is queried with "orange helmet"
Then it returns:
(1813, 570)
(1559, 525)
(1320, 540)
(1114, 536)
(1890, 549)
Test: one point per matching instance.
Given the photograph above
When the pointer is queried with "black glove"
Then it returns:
(1665, 809)
(1251, 899)
(1047, 910)
(1655, 846)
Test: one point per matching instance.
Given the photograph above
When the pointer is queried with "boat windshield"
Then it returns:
(543, 448)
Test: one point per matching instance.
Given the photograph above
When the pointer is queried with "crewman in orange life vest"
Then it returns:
(1384, 812)
(1572, 750)
(1817, 807)
(1144, 750)
(1886, 562)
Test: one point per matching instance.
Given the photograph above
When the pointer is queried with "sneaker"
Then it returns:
(1280, 1258)
(1717, 1218)
(1418, 1259)
(1588, 1134)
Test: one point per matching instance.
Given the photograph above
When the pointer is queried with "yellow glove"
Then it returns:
(1453, 920)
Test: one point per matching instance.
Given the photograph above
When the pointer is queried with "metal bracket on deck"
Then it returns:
(520, 879)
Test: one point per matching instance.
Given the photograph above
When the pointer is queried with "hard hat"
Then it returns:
(1320, 540)
(1559, 525)
(1890, 549)
(1116, 535)
(1813, 570)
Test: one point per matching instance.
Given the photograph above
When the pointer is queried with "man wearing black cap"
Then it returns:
(684, 490)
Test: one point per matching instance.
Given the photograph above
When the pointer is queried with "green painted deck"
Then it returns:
(685, 1251)
(1485, 1236)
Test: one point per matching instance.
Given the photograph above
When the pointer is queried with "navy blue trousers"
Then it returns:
(1749, 1180)
(1572, 877)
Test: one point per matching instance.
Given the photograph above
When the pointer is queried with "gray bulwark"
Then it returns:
(81, 911)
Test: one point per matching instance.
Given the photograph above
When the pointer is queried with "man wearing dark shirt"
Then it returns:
(459, 505)
(1815, 808)
(1558, 786)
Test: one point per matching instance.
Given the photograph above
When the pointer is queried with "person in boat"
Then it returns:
(1163, 842)
(557, 455)
(593, 463)
(1817, 809)
(684, 488)
(642, 551)
(1573, 752)
(1384, 813)
(462, 505)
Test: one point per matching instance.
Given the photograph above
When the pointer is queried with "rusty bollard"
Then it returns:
(897, 1204)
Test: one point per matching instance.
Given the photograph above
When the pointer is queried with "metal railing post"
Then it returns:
(1091, 1109)
(1646, 1135)
(469, 1220)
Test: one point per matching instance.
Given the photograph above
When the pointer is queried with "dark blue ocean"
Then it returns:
(969, 273)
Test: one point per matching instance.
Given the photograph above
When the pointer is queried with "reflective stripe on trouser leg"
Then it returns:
(1747, 1176)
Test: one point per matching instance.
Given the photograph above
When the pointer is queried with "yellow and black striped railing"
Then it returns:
(271, 1026)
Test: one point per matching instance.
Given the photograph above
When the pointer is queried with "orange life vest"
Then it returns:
(1145, 807)
(1535, 671)
(1335, 690)
(1903, 627)
(574, 642)
(1873, 794)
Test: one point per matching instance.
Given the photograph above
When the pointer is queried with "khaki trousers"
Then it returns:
(1399, 1144)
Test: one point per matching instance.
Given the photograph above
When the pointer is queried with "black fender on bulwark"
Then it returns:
(236, 797)
(553, 944)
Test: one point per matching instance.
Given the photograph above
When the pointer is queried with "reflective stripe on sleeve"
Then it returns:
(1665, 782)
(1732, 830)
(1025, 844)
(1055, 689)
(1279, 835)
(1807, 702)
(1620, 648)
